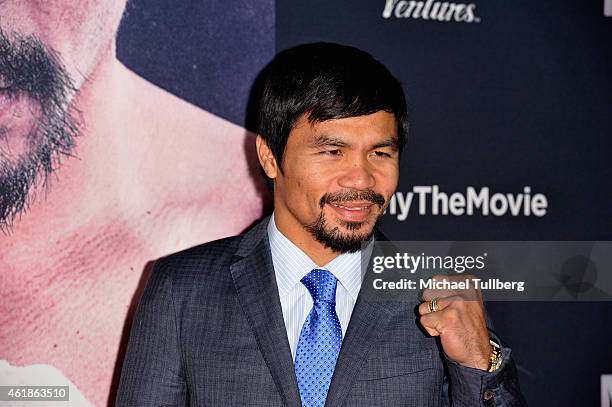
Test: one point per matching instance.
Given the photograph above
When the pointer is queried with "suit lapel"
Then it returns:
(255, 283)
(367, 323)
(370, 316)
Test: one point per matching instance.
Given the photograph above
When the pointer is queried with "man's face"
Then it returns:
(337, 178)
(48, 48)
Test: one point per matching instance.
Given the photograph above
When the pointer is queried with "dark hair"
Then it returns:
(325, 81)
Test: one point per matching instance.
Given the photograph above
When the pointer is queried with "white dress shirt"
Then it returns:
(291, 264)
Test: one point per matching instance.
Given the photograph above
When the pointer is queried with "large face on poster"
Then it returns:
(101, 172)
(38, 126)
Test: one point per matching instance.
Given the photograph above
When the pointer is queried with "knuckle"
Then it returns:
(452, 316)
(460, 303)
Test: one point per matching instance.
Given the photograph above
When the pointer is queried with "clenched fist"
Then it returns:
(459, 320)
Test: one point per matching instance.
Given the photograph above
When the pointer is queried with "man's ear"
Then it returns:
(266, 158)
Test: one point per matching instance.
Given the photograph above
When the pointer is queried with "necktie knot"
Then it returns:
(322, 286)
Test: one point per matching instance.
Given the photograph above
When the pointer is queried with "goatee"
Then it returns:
(334, 238)
(30, 70)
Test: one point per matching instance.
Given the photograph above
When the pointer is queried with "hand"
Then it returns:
(459, 322)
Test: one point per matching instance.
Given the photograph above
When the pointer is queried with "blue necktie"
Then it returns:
(320, 340)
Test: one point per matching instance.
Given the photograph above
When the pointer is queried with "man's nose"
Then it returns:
(357, 175)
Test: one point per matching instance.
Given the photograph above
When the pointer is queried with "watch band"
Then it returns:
(495, 359)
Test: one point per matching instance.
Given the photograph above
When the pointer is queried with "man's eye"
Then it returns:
(381, 154)
(331, 152)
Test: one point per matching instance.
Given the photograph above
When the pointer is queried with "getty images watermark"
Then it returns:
(500, 270)
(414, 264)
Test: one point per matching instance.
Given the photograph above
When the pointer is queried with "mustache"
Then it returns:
(352, 195)
(27, 65)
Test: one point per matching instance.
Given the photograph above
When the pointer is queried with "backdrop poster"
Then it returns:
(121, 140)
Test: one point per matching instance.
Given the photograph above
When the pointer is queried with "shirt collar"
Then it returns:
(291, 264)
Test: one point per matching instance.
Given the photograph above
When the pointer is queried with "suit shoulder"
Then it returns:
(202, 258)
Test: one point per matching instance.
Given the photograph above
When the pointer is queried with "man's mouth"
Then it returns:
(352, 211)
(9, 98)
(18, 116)
(5, 97)
(15, 106)
(5, 82)
(8, 102)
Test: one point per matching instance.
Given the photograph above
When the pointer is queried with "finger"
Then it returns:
(430, 322)
(442, 303)
(457, 312)
(439, 321)
(431, 331)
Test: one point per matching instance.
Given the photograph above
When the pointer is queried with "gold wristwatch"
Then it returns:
(495, 359)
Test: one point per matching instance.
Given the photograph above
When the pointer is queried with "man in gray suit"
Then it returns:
(281, 316)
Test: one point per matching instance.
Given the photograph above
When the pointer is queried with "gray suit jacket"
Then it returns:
(209, 331)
